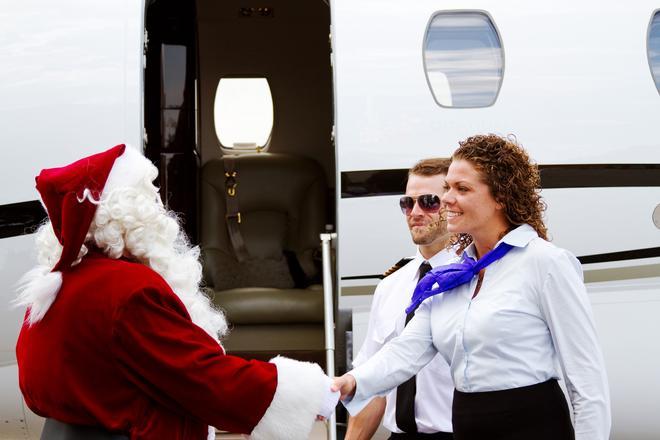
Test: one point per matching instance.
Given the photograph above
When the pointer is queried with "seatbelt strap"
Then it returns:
(233, 215)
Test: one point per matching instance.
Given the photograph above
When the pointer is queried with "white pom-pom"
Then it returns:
(37, 290)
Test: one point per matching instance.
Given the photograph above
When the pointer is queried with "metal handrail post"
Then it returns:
(329, 322)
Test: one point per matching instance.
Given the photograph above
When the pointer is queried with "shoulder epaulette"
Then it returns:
(398, 265)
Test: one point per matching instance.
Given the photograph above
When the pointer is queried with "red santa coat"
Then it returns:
(118, 349)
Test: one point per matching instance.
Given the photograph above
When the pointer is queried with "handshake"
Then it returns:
(338, 388)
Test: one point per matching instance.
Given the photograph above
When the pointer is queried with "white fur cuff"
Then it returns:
(301, 387)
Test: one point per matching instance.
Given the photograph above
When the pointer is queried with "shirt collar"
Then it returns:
(519, 237)
(440, 259)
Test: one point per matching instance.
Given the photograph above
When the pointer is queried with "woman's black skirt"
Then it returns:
(535, 412)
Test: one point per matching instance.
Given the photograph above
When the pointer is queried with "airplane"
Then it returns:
(360, 91)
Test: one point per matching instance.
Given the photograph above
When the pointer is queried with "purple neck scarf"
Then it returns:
(453, 275)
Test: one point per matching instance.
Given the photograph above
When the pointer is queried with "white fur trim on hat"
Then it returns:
(298, 397)
(38, 289)
(127, 171)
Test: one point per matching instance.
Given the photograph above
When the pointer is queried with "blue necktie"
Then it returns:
(453, 275)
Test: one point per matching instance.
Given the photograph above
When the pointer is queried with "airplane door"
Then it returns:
(69, 85)
(381, 96)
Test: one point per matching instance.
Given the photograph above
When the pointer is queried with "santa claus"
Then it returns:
(117, 333)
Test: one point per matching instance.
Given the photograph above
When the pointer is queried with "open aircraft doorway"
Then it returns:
(256, 204)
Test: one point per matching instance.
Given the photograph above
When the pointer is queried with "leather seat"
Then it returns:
(273, 299)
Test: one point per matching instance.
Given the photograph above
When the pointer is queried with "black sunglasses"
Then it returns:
(430, 203)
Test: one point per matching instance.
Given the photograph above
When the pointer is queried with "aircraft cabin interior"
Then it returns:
(239, 117)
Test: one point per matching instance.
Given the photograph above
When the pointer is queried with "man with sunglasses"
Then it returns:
(421, 407)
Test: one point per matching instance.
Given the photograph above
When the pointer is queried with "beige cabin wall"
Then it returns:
(292, 50)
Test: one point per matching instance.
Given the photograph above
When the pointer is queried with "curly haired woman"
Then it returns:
(512, 317)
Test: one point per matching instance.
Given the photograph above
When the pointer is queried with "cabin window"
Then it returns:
(463, 59)
(653, 48)
(243, 113)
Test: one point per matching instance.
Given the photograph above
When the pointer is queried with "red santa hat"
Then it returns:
(70, 195)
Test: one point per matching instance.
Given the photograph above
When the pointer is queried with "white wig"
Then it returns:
(131, 221)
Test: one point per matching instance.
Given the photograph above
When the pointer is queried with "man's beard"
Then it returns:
(423, 235)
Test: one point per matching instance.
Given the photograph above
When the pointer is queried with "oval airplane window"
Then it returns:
(463, 59)
(243, 113)
(653, 48)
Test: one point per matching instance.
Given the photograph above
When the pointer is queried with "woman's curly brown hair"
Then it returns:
(513, 179)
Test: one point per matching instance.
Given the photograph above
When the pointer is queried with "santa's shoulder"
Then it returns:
(121, 276)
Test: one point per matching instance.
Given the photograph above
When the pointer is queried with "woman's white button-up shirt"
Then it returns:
(530, 322)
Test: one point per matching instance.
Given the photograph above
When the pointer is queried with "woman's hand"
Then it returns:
(345, 385)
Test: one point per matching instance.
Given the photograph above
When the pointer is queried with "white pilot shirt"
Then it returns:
(532, 314)
(387, 319)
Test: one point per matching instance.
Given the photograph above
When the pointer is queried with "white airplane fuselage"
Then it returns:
(576, 90)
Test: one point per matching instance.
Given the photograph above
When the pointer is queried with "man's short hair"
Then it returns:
(430, 167)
